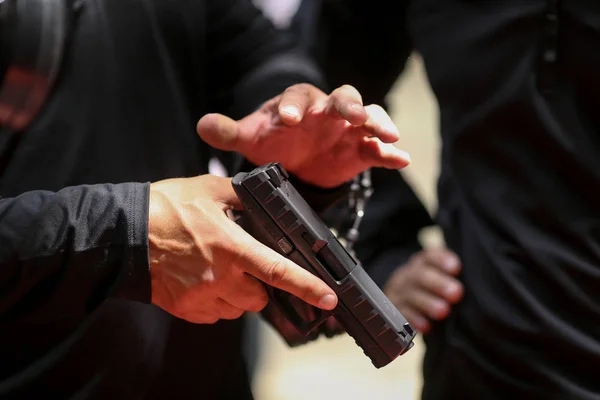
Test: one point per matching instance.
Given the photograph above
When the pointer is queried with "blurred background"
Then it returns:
(311, 371)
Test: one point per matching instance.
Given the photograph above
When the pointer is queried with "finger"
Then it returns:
(385, 155)
(429, 305)
(295, 101)
(333, 326)
(247, 294)
(416, 319)
(381, 125)
(221, 191)
(219, 131)
(226, 310)
(277, 271)
(439, 283)
(346, 103)
(200, 318)
(443, 259)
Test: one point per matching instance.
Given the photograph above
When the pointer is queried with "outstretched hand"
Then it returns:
(323, 140)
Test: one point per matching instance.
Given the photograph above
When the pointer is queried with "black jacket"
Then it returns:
(518, 87)
(343, 39)
(75, 319)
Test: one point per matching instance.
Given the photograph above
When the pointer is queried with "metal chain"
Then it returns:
(361, 191)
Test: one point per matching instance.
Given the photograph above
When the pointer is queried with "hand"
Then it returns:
(203, 266)
(323, 140)
(425, 288)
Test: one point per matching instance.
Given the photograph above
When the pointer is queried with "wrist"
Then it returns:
(157, 203)
(320, 198)
(302, 184)
(134, 282)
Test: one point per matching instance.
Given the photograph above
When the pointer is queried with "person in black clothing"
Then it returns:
(103, 273)
(518, 86)
(394, 216)
(425, 286)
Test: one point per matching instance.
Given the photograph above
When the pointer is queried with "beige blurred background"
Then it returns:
(336, 368)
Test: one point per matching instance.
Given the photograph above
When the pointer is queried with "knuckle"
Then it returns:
(276, 273)
(347, 88)
(300, 88)
(427, 274)
(304, 87)
(401, 303)
(435, 255)
(291, 89)
(416, 258)
(376, 109)
(400, 278)
(307, 294)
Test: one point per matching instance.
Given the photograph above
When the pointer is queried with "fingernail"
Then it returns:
(357, 107)
(291, 111)
(328, 302)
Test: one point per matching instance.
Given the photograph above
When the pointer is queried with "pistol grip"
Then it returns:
(294, 319)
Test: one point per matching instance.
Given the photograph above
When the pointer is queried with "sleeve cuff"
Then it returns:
(134, 282)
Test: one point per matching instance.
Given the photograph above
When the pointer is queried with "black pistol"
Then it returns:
(276, 215)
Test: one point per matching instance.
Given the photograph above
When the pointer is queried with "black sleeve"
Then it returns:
(319, 199)
(362, 43)
(366, 44)
(62, 253)
(250, 61)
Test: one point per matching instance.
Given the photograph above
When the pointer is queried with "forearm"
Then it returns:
(64, 253)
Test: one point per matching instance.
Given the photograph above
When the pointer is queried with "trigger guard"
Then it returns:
(303, 325)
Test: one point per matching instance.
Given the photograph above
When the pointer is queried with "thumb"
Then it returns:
(219, 131)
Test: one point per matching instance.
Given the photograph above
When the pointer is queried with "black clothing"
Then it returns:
(345, 37)
(389, 232)
(74, 315)
(518, 86)
(390, 228)
(394, 216)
